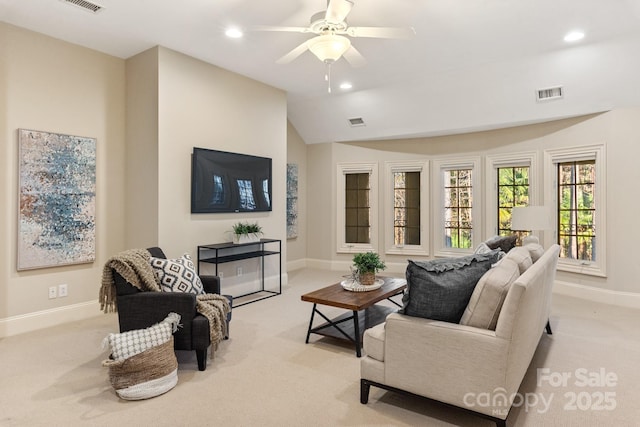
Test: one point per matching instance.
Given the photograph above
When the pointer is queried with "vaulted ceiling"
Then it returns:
(472, 65)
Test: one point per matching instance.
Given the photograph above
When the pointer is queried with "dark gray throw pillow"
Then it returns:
(440, 289)
(505, 243)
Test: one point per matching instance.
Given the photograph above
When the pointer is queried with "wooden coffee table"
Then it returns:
(364, 313)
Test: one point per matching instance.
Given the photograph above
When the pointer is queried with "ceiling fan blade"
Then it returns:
(354, 57)
(293, 54)
(337, 10)
(382, 32)
(287, 29)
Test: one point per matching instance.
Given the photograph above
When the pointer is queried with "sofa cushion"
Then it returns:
(489, 294)
(373, 342)
(440, 289)
(177, 275)
(504, 243)
(535, 251)
(521, 257)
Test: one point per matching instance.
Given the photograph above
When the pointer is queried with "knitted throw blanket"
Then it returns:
(135, 267)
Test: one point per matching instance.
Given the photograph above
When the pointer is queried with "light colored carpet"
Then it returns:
(265, 375)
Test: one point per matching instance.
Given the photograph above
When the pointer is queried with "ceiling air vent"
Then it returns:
(84, 4)
(550, 93)
(356, 122)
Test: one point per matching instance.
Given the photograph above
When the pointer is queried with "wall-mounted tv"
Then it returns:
(229, 182)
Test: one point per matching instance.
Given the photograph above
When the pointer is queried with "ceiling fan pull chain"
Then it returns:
(327, 76)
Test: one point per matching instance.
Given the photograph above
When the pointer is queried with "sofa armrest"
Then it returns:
(211, 284)
(441, 360)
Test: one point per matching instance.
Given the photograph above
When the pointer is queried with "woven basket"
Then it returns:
(367, 279)
(147, 374)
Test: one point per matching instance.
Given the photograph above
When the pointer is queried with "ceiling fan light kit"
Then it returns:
(329, 47)
(331, 42)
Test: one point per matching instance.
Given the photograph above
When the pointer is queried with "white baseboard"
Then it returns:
(34, 321)
(296, 264)
(605, 296)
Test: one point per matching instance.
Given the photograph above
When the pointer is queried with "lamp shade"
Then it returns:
(531, 218)
(329, 47)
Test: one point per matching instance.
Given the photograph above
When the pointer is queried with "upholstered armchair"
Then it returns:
(138, 309)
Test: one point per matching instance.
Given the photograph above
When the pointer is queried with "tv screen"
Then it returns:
(229, 182)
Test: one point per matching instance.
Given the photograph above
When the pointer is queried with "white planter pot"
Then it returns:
(239, 239)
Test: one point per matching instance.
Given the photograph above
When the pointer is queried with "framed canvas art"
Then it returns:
(292, 200)
(57, 197)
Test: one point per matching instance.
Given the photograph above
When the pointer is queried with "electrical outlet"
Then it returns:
(239, 271)
(53, 292)
(62, 290)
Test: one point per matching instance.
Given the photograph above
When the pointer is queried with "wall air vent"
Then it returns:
(84, 4)
(357, 121)
(550, 93)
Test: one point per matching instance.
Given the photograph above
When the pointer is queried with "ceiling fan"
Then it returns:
(332, 35)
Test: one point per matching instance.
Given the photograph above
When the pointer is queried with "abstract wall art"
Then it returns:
(57, 192)
(292, 200)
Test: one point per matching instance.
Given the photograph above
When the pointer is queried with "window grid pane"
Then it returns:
(406, 211)
(458, 204)
(576, 210)
(513, 191)
(357, 227)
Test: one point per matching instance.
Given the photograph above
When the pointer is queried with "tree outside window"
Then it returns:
(458, 203)
(513, 191)
(576, 210)
(406, 209)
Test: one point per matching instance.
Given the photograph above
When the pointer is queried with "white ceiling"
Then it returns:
(473, 65)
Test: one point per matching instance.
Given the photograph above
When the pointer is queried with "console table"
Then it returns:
(220, 253)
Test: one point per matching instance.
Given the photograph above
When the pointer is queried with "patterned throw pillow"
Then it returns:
(127, 344)
(177, 275)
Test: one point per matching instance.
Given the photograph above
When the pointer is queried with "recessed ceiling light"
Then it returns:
(346, 85)
(574, 36)
(234, 33)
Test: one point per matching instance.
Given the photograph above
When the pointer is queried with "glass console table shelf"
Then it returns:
(220, 253)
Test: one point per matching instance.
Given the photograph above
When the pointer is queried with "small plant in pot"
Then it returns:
(244, 232)
(367, 265)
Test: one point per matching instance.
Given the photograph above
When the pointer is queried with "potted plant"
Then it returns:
(243, 232)
(368, 264)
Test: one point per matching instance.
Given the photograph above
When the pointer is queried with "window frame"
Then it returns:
(342, 170)
(552, 159)
(493, 163)
(440, 166)
(392, 167)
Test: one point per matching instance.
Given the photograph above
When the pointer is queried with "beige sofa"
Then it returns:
(463, 365)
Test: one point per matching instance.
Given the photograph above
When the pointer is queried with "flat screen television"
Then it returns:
(229, 182)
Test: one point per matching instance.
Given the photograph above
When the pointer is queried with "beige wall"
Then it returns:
(54, 86)
(142, 150)
(617, 130)
(147, 113)
(182, 103)
(297, 154)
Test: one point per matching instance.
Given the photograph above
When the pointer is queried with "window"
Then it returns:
(511, 181)
(406, 208)
(460, 207)
(357, 229)
(576, 185)
(357, 208)
(576, 210)
(513, 191)
(458, 201)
